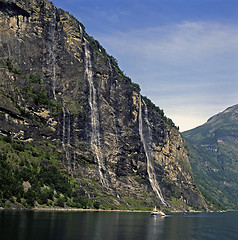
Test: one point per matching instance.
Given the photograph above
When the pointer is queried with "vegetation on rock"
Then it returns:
(214, 158)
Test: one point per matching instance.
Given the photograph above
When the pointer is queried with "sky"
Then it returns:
(183, 53)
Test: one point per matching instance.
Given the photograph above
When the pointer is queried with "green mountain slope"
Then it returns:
(214, 156)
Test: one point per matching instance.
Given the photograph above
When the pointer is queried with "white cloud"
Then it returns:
(196, 37)
(189, 65)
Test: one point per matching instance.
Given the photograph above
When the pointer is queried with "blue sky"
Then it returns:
(183, 53)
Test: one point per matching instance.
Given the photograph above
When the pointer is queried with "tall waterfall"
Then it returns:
(95, 123)
(52, 48)
(112, 96)
(146, 138)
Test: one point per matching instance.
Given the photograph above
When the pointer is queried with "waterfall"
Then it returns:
(19, 46)
(66, 137)
(86, 192)
(147, 142)
(95, 123)
(68, 127)
(63, 130)
(113, 95)
(115, 127)
(18, 32)
(110, 65)
(81, 31)
(52, 48)
(74, 166)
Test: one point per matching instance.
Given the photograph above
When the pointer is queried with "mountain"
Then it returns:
(214, 157)
(75, 131)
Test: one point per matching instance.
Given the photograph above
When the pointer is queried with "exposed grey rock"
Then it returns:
(59, 85)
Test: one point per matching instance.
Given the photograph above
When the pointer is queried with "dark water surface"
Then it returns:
(25, 225)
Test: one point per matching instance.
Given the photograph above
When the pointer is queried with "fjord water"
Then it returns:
(34, 225)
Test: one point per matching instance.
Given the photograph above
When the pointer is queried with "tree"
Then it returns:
(30, 197)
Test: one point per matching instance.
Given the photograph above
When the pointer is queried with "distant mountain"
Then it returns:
(214, 156)
(74, 130)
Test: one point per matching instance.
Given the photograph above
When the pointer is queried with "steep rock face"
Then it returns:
(214, 156)
(58, 85)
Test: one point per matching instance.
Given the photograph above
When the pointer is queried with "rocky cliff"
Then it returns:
(67, 104)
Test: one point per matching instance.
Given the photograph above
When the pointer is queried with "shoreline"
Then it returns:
(85, 210)
(58, 209)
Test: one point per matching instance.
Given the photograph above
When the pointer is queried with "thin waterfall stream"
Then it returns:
(66, 137)
(146, 144)
(95, 123)
(52, 48)
(112, 96)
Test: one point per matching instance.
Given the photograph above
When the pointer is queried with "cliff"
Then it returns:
(64, 103)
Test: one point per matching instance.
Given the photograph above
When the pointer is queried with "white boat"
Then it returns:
(155, 212)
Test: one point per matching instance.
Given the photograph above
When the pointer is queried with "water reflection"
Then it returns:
(29, 225)
(155, 227)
